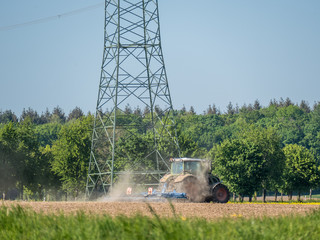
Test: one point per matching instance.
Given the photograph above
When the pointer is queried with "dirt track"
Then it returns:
(203, 210)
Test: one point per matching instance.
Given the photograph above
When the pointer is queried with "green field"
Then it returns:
(316, 196)
(19, 223)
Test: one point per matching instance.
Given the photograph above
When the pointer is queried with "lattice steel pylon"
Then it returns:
(132, 72)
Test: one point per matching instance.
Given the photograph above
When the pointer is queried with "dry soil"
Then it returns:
(208, 211)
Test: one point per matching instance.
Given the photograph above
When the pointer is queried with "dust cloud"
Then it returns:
(121, 190)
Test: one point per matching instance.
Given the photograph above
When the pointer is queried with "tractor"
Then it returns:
(193, 178)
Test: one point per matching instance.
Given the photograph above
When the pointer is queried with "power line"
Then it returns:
(51, 18)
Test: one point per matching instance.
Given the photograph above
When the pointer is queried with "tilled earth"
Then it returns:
(208, 211)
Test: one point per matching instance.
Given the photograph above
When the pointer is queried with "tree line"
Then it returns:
(253, 148)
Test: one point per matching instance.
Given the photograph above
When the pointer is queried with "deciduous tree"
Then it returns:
(301, 171)
(71, 154)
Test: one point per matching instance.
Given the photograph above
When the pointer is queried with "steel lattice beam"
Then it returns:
(133, 72)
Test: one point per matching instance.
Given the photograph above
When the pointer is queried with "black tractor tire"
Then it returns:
(220, 194)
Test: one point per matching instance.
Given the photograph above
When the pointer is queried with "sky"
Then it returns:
(215, 51)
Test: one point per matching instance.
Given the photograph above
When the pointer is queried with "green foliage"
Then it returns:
(251, 160)
(48, 133)
(27, 193)
(18, 223)
(250, 115)
(45, 152)
(28, 149)
(269, 145)
(70, 154)
(190, 148)
(202, 129)
(20, 157)
(290, 124)
(301, 171)
(76, 113)
(134, 148)
(238, 163)
(9, 157)
(312, 132)
(7, 116)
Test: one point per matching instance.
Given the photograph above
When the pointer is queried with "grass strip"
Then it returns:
(20, 223)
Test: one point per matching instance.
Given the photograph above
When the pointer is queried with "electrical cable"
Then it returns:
(51, 18)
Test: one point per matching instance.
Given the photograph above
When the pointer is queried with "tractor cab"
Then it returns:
(189, 165)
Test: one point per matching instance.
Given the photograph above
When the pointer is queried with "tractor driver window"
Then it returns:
(176, 167)
(192, 167)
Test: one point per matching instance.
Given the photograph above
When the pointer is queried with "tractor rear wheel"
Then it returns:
(220, 194)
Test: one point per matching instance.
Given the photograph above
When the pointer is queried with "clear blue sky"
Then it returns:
(216, 51)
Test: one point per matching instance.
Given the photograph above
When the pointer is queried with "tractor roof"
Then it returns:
(187, 160)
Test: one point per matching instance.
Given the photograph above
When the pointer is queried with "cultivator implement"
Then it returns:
(152, 195)
(163, 194)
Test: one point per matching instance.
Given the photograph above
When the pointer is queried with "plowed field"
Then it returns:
(203, 210)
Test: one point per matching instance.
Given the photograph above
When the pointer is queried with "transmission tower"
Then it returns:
(132, 72)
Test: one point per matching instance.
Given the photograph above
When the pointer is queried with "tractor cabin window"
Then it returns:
(176, 167)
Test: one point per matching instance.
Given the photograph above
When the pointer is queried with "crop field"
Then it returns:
(207, 211)
(136, 220)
